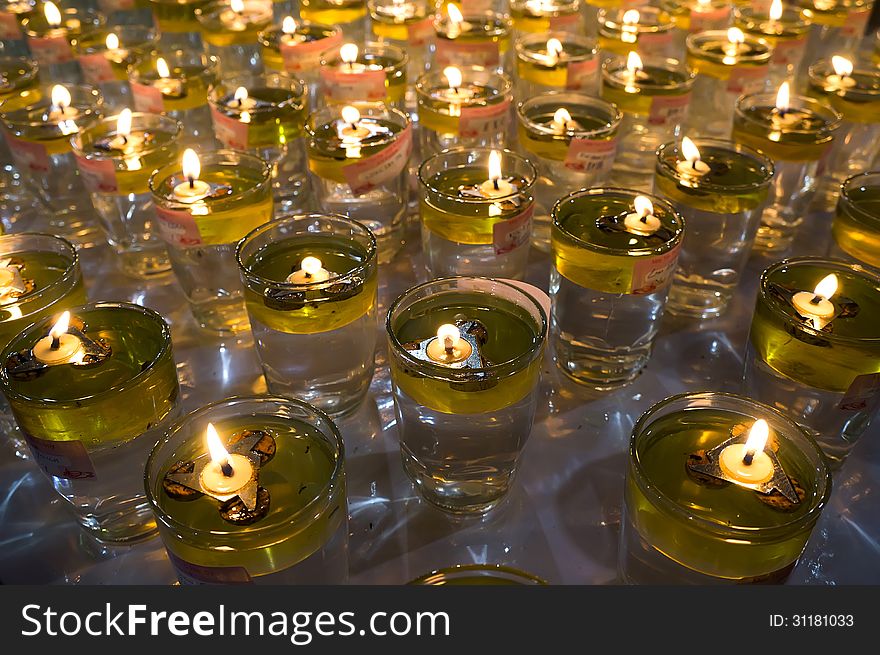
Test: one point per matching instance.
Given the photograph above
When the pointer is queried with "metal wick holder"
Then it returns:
(25, 366)
(508, 203)
(475, 334)
(290, 298)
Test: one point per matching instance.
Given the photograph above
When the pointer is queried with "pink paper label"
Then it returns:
(452, 52)
(746, 79)
(96, 68)
(788, 52)
(669, 110)
(307, 55)
(230, 131)
(196, 574)
(591, 155)
(99, 175)
(340, 86)
(29, 156)
(514, 233)
(580, 75)
(566, 23)
(863, 392)
(420, 32)
(62, 459)
(381, 167)
(147, 98)
(178, 228)
(715, 18)
(651, 274)
(9, 29)
(50, 50)
(480, 121)
(654, 43)
(856, 21)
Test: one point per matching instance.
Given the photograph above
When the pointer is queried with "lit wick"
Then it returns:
(59, 347)
(775, 10)
(642, 222)
(348, 53)
(193, 189)
(561, 119)
(693, 165)
(52, 14)
(311, 271)
(226, 474)
(841, 79)
(448, 347)
(817, 305)
(748, 463)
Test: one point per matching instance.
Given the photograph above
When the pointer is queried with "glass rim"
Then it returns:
(845, 194)
(730, 189)
(210, 64)
(490, 570)
(833, 118)
(333, 112)
(269, 36)
(666, 246)
(149, 34)
(669, 506)
(423, 90)
(207, 158)
(532, 38)
(500, 25)
(291, 218)
(826, 262)
(446, 373)
(504, 152)
(612, 20)
(798, 22)
(563, 5)
(94, 17)
(871, 94)
(377, 48)
(31, 72)
(152, 315)
(80, 95)
(616, 63)
(174, 129)
(69, 272)
(693, 44)
(325, 492)
(373, 5)
(299, 92)
(575, 98)
(211, 9)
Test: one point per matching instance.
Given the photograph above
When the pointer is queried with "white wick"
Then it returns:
(642, 222)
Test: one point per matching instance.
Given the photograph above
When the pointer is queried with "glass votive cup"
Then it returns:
(547, 16)
(349, 15)
(90, 425)
(269, 124)
(38, 134)
(297, 531)
(575, 154)
(795, 140)
(50, 45)
(692, 16)
(725, 71)
(468, 226)
(183, 95)
(463, 425)
(483, 39)
(201, 234)
(475, 115)
(722, 202)
(117, 175)
(177, 23)
(378, 74)
(823, 372)
(856, 224)
(106, 68)
(651, 34)
(654, 99)
(687, 526)
(408, 25)
(857, 142)
(608, 284)
(299, 52)
(576, 68)
(12, 39)
(232, 36)
(836, 27)
(361, 171)
(787, 35)
(314, 330)
(477, 575)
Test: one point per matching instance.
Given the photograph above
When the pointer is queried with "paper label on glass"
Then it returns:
(96, 69)
(669, 110)
(591, 155)
(50, 50)
(420, 32)
(340, 86)
(480, 121)
(9, 29)
(230, 131)
(651, 274)
(196, 574)
(307, 55)
(147, 98)
(28, 155)
(99, 175)
(178, 228)
(862, 393)
(856, 21)
(513, 233)
(385, 165)
(788, 52)
(654, 43)
(566, 23)
(714, 19)
(582, 74)
(62, 459)
(746, 79)
(451, 52)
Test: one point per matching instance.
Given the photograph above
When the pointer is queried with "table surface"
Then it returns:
(561, 520)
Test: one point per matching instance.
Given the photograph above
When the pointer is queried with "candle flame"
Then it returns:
(288, 25)
(631, 17)
(60, 327)
(783, 97)
(735, 35)
(704, 3)
(123, 122)
(453, 76)
(219, 454)
(237, 6)
(240, 94)
(350, 115)
(562, 117)
(454, 13)
(191, 164)
(554, 47)
(348, 53)
(112, 41)
(758, 436)
(60, 97)
(449, 335)
(53, 15)
(633, 62)
(776, 10)
(842, 66)
(311, 265)
(689, 150)
(827, 286)
(162, 68)
(494, 165)
(644, 206)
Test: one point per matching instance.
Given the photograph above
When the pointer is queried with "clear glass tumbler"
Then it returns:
(856, 225)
